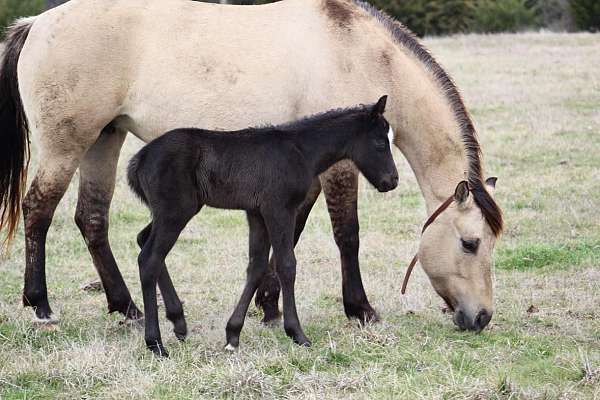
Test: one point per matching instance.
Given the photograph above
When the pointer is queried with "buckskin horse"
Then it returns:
(82, 75)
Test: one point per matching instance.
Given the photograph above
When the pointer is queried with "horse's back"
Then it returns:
(170, 63)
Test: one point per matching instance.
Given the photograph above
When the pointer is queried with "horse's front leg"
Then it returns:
(280, 225)
(96, 186)
(267, 295)
(340, 185)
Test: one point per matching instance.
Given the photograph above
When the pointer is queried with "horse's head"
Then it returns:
(372, 152)
(456, 254)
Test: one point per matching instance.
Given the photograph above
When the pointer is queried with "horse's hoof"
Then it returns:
(230, 347)
(158, 349)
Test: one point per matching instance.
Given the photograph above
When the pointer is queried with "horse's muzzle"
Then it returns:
(469, 322)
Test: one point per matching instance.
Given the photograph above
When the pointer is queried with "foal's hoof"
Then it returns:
(133, 313)
(302, 341)
(43, 318)
(180, 329)
(364, 313)
(272, 315)
(158, 349)
(230, 347)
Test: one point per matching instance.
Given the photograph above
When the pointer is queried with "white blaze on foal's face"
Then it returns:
(391, 138)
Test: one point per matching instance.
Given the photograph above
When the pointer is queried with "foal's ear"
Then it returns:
(461, 193)
(379, 107)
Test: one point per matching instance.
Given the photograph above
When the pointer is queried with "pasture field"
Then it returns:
(535, 99)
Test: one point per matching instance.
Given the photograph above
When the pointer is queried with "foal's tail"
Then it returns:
(133, 177)
(14, 132)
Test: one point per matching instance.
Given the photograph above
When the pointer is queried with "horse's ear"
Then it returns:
(461, 193)
(491, 184)
(379, 107)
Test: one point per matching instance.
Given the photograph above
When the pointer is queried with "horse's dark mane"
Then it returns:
(407, 39)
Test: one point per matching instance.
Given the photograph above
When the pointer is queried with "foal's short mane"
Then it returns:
(407, 39)
(317, 118)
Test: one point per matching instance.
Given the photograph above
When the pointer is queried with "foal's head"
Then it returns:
(456, 253)
(371, 150)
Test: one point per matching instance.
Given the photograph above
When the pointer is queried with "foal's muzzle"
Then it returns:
(388, 182)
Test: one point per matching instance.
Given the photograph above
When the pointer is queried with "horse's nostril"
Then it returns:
(481, 320)
(459, 319)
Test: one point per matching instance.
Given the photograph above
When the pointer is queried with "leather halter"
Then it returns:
(429, 221)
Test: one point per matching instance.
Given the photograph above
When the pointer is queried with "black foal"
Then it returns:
(266, 171)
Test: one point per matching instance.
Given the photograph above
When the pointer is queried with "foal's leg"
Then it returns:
(161, 240)
(280, 225)
(258, 258)
(96, 186)
(173, 305)
(267, 295)
(340, 185)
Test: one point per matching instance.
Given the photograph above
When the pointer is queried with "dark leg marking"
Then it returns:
(38, 209)
(96, 187)
(340, 185)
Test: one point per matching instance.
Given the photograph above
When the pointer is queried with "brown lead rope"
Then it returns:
(429, 221)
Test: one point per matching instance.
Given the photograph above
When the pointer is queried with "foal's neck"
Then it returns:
(325, 145)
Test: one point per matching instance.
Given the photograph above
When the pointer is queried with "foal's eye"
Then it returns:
(470, 245)
(380, 144)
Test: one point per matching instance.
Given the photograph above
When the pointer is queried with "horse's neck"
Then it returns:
(428, 135)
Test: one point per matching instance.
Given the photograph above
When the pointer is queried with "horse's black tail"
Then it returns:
(133, 176)
(14, 132)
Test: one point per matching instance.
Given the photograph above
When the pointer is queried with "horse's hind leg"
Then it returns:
(258, 258)
(52, 178)
(173, 305)
(267, 295)
(96, 186)
(340, 185)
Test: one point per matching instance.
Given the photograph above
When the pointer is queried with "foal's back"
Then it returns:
(232, 170)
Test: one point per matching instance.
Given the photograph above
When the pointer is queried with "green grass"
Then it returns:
(548, 255)
(537, 121)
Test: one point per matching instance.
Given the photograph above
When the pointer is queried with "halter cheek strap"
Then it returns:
(429, 221)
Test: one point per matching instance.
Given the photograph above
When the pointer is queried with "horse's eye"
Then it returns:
(470, 245)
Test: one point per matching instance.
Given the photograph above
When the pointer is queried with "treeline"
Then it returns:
(434, 17)
(441, 17)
